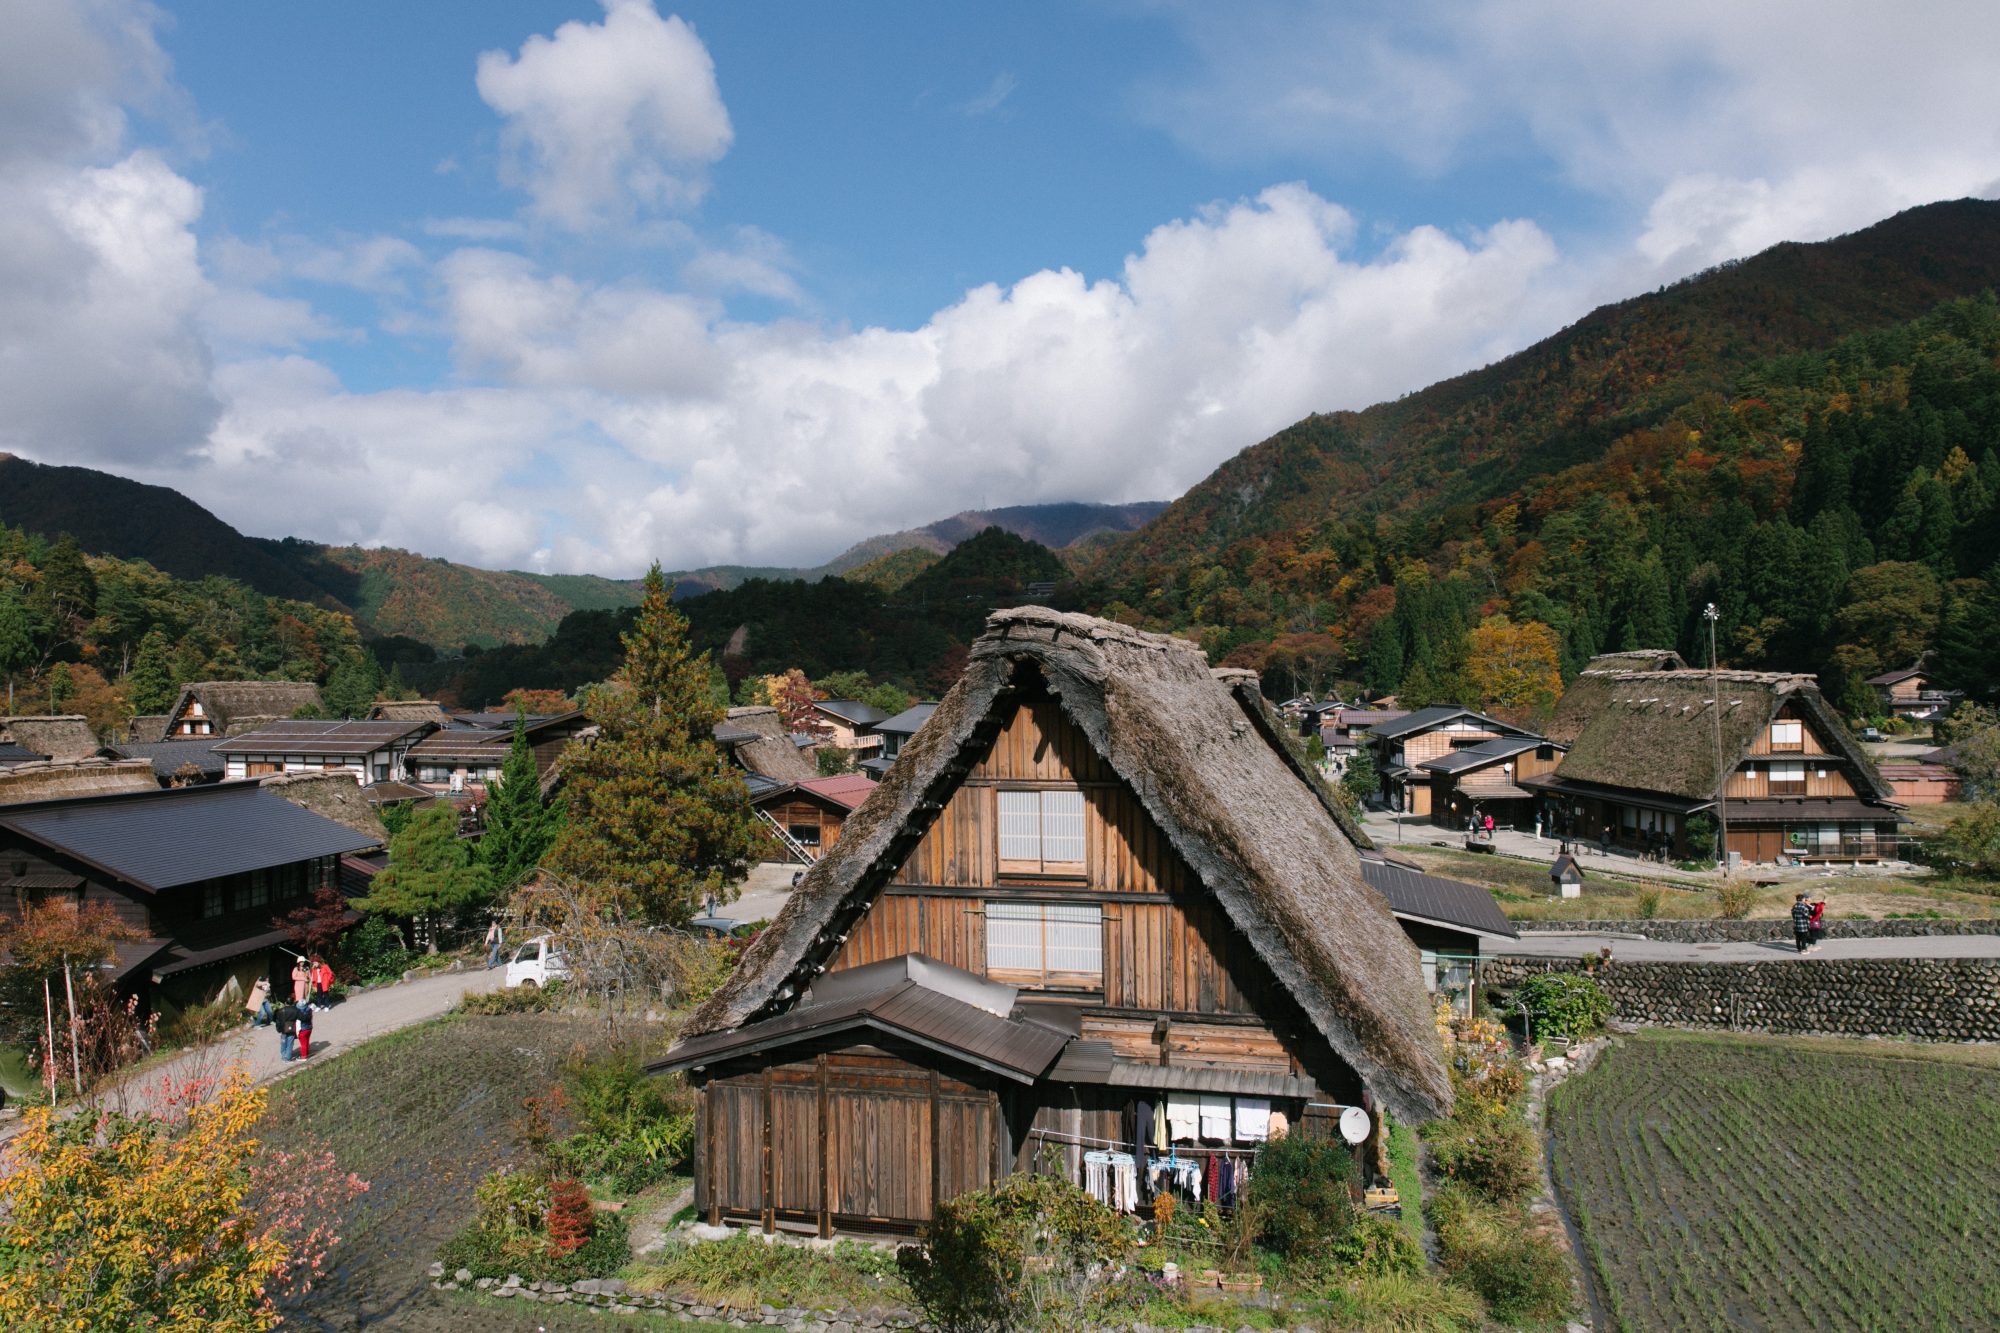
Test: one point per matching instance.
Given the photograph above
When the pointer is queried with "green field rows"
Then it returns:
(1728, 1184)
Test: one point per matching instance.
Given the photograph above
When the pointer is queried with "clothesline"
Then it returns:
(1126, 1144)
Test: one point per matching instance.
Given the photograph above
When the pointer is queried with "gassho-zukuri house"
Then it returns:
(1089, 911)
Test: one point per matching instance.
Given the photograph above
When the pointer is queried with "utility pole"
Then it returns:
(1711, 615)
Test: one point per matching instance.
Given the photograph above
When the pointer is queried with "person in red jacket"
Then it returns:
(1816, 922)
(322, 979)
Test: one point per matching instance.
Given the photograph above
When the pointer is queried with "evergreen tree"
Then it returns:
(520, 826)
(430, 872)
(1360, 777)
(61, 688)
(1649, 613)
(150, 685)
(656, 821)
(353, 686)
(17, 638)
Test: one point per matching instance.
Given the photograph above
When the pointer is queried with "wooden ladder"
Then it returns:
(800, 852)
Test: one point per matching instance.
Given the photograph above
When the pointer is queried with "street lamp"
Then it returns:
(1711, 615)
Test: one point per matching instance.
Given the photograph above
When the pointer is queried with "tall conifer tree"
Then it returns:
(520, 825)
(150, 686)
(430, 872)
(655, 819)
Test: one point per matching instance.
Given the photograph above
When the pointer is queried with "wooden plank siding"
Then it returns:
(1824, 778)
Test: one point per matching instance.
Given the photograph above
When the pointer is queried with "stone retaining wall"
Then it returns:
(1930, 999)
(612, 1296)
(1749, 932)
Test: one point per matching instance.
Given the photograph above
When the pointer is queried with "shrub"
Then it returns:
(1030, 1250)
(1372, 1247)
(1734, 898)
(633, 1129)
(1646, 901)
(375, 951)
(1300, 1192)
(544, 1230)
(1484, 1083)
(1562, 1004)
(1493, 1155)
(513, 1000)
(203, 1023)
(1520, 1272)
(1410, 1303)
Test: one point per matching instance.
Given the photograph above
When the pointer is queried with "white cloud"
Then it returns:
(996, 94)
(609, 121)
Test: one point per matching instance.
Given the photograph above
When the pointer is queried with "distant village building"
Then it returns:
(199, 872)
(1403, 746)
(1922, 783)
(467, 759)
(58, 737)
(179, 763)
(1484, 779)
(366, 751)
(231, 707)
(805, 817)
(850, 724)
(758, 742)
(896, 732)
(1647, 755)
(1908, 695)
(1091, 889)
(409, 710)
(48, 780)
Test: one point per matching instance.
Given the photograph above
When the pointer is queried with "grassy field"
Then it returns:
(1721, 1183)
(422, 1115)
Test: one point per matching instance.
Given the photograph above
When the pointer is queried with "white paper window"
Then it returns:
(1788, 735)
(1041, 829)
(1045, 942)
(1788, 774)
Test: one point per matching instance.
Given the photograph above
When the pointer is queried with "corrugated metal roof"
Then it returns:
(11, 753)
(905, 1007)
(1449, 902)
(159, 839)
(909, 721)
(852, 711)
(848, 789)
(301, 737)
(464, 745)
(167, 757)
(1486, 752)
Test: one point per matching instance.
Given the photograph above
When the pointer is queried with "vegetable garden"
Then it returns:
(1721, 1183)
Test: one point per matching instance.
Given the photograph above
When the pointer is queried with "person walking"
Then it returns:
(258, 1006)
(305, 1030)
(301, 980)
(496, 938)
(1801, 923)
(286, 1020)
(322, 980)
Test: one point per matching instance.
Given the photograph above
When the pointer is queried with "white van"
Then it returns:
(537, 963)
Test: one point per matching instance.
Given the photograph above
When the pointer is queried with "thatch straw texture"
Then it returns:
(62, 737)
(237, 706)
(77, 777)
(1258, 840)
(331, 795)
(773, 754)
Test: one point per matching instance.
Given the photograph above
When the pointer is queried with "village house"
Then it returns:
(409, 710)
(466, 760)
(179, 763)
(1344, 729)
(759, 743)
(199, 872)
(1908, 695)
(57, 738)
(1648, 755)
(850, 725)
(1484, 779)
(896, 733)
(1922, 783)
(1448, 920)
(1090, 894)
(369, 751)
(1401, 748)
(232, 707)
(805, 817)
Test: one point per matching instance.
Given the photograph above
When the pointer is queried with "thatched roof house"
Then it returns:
(232, 707)
(54, 781)
(146, 728)
(334, 795)
(58, 737)
(409, 710)
(1587, 693)
(758, 740)
(1656, 747)
(1092, 837)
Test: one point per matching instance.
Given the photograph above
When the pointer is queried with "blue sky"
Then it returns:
(574, 286)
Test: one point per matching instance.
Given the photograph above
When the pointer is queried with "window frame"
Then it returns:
(1041, 865)
(1788, 785)
(1797, 744)
(1047, 916)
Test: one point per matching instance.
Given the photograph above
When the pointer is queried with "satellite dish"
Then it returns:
(1354, 1125)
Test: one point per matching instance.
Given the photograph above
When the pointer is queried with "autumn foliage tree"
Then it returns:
(657, 822)
(1514, 670)
(174, 1222)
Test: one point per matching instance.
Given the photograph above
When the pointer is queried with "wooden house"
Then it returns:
(368, 751)
(1091, 892)
(232, 707)
(1593, 685)
(1401, 748)
(1651, 753)
(1911, 696)
(409, 710)
(1922, 783)
(1484, 779)
(1448, 920)
(810, 814)
(199, 872)
(896, 732)
(849, 725)
(462, 759)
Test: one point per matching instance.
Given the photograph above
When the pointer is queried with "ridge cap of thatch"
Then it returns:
(1277, 865)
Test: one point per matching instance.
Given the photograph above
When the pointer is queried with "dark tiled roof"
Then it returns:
(11, 753)
(902, 997)
(909, 721)
(852, 711)
(1486, 752)
(1437, 715)
(500, 720)
(463, 745)
(159, 839)
(1894, 677)
(167, 757)
(1447, 902)
(1810, 812)
(335, 738)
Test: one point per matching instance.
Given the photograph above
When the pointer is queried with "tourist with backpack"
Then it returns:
(286, 1020)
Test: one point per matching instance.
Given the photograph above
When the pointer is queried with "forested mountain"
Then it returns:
(913, 635)
(1610, 481)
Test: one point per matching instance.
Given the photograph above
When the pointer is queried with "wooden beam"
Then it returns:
(770, 1206)
(825, 1138)
(714, 1161)
(937, 1163)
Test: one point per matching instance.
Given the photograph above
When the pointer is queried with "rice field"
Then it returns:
(1723, 1183)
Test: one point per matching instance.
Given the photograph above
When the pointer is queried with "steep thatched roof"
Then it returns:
(1587, 693)
(1656, 731)
(1258, 840)
(1249, 692)
(330, 795)
(408, 710)
(761, 743)
(55, 781)
(237, 706)
(62, 737)
(147, 728)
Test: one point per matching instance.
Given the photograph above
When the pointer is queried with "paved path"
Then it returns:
(336, 1030)
(1574, 944)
